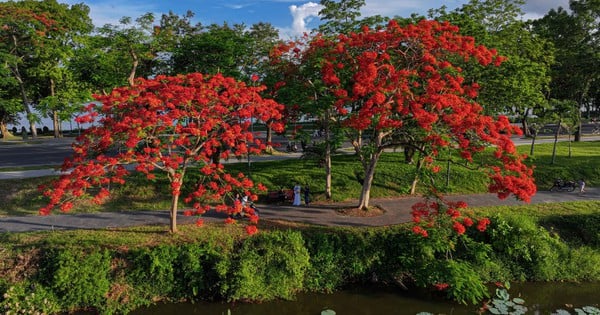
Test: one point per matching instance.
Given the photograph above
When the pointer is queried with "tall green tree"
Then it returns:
(343, 16)
(23, 31)
(575, 36)
(131, 43)
(520, 85)
(59, 94)
(10, 102)
(217, 49)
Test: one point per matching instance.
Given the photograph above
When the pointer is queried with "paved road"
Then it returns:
(42, 151)
(54, 151)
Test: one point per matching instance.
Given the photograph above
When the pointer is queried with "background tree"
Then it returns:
(576, 40)
(168, 35)
(296, 81)
(342, 17)
(386, 79)
(59, 95)
(519, 86)
(537, 124)
(566, 116)
(168, 124)
(132, 44)
(262, 37)
(217, 49)
(10, 101)
(23, 32)
(115, 54)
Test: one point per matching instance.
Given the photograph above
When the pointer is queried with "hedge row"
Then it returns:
(279, 263)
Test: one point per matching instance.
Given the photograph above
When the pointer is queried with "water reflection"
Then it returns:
(541, 297)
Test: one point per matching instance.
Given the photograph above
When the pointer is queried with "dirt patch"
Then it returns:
(373, 211)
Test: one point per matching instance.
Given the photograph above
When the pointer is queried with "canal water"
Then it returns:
(540, 298)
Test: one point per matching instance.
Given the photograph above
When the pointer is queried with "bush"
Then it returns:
(200, 271)
(324, 272)
(152, 272)
(527, 250)
(77, 278)
(28, 298)
(268, 266)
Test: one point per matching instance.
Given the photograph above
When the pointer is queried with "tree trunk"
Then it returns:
(327, 131)
(131, 78)
(173, 221)
(413, 186)
(15, 70)
(555, 141)
(269, 138)
(409, 153)
(365, 193)
(55, 121)
(569, 144)
(178, 181)
(25, 100)
(533, 136)
(328, 171)
(4, 130)
(524, 124)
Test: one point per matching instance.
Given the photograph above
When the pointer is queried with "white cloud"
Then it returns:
(302, 15)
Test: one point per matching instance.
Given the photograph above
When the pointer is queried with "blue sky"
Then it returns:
(291, 17)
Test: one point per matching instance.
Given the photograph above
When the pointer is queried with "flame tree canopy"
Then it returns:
(168, 124)
(401, 86)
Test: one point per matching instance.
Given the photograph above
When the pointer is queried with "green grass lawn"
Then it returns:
(393, 178)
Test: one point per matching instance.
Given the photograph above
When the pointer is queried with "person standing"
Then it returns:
(306, 195)
(297, 198)
(581, 186)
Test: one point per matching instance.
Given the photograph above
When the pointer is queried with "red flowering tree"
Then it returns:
(168, 124)
(398, 86)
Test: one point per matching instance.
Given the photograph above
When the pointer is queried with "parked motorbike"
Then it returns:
(563, 185)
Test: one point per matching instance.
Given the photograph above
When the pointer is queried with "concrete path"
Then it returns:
(397, 210)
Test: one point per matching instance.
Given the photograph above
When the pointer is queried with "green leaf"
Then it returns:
(327, 312)
(519, 301)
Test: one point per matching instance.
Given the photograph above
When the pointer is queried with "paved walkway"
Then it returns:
(397, 210)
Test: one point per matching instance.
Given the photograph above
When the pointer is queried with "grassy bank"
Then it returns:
(117, 270)
(393, 178)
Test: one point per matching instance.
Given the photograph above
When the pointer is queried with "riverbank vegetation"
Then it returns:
(118, 270)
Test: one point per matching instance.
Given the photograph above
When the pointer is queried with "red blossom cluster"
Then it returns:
(426, 214)
(441, 286)
(169, 124)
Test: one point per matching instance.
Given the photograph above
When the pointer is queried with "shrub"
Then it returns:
(28, 298)
(152, 271)
(269, 265)
(77, 278)
(324, 272)
(529, 251)
(199, 271)
(445, 261)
